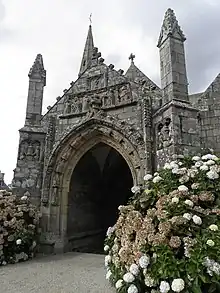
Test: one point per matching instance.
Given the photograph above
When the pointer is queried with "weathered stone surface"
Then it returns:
(129, 114)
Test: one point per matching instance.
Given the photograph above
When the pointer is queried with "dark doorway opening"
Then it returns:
(101, 181)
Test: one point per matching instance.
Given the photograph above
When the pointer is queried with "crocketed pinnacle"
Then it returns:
(37, 70)
(170, 28)
(88, 51)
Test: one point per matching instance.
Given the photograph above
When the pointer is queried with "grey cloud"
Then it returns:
(203, 47)
(200, 22)
(112, 58)
(2, 10)
(4, 32)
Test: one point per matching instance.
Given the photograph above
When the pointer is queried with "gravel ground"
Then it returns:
(67, 273)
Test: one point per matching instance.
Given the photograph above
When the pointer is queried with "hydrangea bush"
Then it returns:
(167, 238)
(19, 221)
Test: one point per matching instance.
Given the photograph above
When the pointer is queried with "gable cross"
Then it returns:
(131, 57)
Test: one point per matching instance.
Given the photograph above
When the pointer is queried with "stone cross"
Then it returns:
(131, 57)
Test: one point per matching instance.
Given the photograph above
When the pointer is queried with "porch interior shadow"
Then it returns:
(101, 181)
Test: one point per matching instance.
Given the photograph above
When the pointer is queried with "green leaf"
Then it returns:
(196, 288)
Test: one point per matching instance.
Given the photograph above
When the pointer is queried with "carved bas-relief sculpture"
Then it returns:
(29, 150)
(164, 134)
(105, 132)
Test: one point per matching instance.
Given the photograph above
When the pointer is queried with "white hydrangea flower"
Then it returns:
(209, 157)
(180, 171)
(184, 179)
(132, 289)
(106, 248)
(107, 260)
(24, 197)
(175, 171)
(213, 227)
(108, 275)
(198, 164)
(197, 220)
(109, 231)
(187, 216)
(183, 188)
(156, 174)
(209, 163)
(128, 278)
(164, 287)
(212, 266)
(174, 165)
(119, 284)
(196, 158)
(180, 157)
(204, 168)
(18, 241)
(157, 179)
(175, 200)
(195, 186)
(210, 242)
(178, 285)
(134, 269)
(149, 282)
(135, 189)
(212, 175)
(180, 163)
(144, 261)
(148, 177)
(189, 203)
(167, 166)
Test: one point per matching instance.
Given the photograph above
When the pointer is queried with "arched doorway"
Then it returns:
(101, 181)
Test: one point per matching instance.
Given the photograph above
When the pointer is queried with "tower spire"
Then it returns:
(88, 51)
(37, 82)
(172, 60)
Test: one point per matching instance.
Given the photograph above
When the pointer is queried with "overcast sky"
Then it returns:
(57, 29)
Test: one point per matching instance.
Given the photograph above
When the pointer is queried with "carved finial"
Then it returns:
(170, 27)
(121, 71)
(37, 69)
(2, 176)
(90, 19)
(131, 57)
(111, 66)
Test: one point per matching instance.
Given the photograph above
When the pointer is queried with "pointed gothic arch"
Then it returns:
(64, 159)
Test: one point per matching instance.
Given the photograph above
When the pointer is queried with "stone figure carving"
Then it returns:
(95, 105)
(23, 149)
(55, 188)
(164, 135)
(85, 104)
(68, 104)
(123, 94)
(60, 166)
(29, 150)
(37, 153)
(111, 96)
